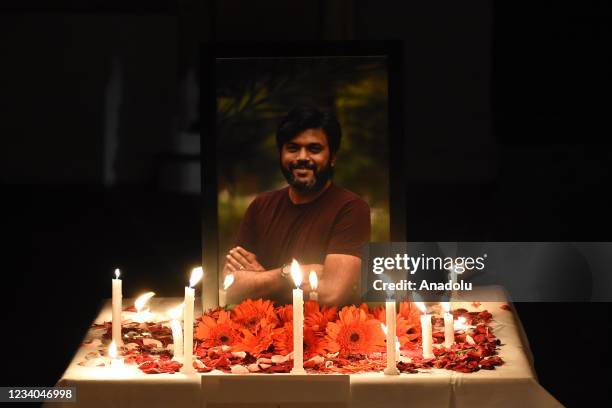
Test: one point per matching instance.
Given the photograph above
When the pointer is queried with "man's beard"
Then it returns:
(316, 183)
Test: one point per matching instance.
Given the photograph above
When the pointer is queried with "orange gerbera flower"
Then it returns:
(380, 313)
(285, 313)
(314, 343)
(355, 332)
(408, 324)
(316, 319)
(365, 308)
(216, 332)
(410, 312)
(407, 332)
(251, 314)
(330, 313)
(255, 342)
(311, 306)
(214, 312)
(283, 339)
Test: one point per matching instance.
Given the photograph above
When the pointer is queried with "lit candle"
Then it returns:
(196, 275)
(117, 302)
(449, 328)
(461, 326)
(177, 331)
(389, 330)
(227, 282)
(426, 338)
(116, 363)
(142, 314)
(314, 283)
(298, 320)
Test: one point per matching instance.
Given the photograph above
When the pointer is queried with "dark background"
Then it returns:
(507, 130)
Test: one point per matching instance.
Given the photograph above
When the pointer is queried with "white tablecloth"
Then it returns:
(100, 386)
(510, 385)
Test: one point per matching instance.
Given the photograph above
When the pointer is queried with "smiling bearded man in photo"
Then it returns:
(320, 224)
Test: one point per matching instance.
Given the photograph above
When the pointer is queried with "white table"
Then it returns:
(510, 385)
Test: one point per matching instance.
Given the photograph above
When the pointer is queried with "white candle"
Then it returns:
(177, 331)
(298, 320)
(314, 283)
(390, 330)
(426, 338)
(116, 363)
(196, 275)
(449, 328)
(227, 282)
(188, 328)
(117, 302)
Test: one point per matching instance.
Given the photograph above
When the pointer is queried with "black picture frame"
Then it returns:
(211, 52)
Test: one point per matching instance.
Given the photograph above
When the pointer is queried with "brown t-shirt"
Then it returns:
(276, 230)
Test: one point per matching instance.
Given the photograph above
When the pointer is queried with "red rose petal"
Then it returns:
(485, 315)
(220, 362)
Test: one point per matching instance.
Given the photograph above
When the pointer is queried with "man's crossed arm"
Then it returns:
(338, 277)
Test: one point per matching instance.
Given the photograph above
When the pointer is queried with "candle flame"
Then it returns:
(296, 273)
(196, 275)
(459, 324)
(142, 300)
(314, 280)
(112, 350)
(227, 282)
(446, 306)
(175, 312)
(117, 273)
(421, 306)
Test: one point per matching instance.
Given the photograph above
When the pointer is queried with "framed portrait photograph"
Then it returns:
(301, 147)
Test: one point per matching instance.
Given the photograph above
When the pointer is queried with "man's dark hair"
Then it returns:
(306, 117)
